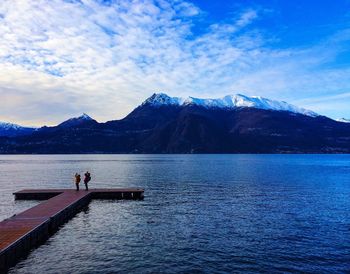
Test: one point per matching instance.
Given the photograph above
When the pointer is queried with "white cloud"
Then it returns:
(61, 58)
(246, 18)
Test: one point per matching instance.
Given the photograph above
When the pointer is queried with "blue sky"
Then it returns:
(61, 58)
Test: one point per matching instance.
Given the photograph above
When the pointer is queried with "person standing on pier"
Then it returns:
(87, 179)
(77, 180)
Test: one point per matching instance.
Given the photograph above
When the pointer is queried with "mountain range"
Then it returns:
(164, 124)
(8, 129)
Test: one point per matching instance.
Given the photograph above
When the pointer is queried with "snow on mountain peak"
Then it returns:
(229, 101)
(158, 99)
(4, 125)
(9, 129)
(343, 120)
(76, 121)
(84, 116)
(11, 126)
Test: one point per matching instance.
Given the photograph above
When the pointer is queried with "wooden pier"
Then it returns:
(30, 228)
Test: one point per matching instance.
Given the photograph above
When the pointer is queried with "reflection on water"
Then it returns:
(201, 213)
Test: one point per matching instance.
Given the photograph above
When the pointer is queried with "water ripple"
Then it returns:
(201, 214)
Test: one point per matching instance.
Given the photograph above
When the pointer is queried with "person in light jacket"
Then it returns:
(77, 180)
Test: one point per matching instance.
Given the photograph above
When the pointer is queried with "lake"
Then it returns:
(201, 213)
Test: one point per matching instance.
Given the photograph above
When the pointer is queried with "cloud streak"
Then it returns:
(61, 58)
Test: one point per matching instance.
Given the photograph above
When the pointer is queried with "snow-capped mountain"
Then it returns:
(9, 129)
(229, 102)
(76, 121)
(164, 124)
(343, 120)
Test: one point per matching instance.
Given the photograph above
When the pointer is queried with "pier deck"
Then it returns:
(30, 228)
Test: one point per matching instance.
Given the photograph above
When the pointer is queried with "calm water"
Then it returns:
(201, 213)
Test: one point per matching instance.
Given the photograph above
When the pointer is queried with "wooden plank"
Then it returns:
(99, 193)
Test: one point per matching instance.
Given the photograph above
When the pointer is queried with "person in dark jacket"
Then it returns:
(87, 179)
(77, 180)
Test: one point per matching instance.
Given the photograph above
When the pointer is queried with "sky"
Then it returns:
(60, 58)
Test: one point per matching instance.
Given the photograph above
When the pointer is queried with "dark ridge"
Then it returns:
(189, 129)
